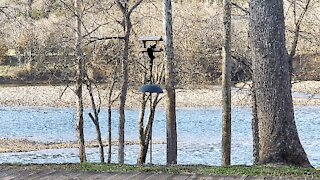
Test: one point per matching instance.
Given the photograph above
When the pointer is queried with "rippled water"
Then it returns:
(199, 134)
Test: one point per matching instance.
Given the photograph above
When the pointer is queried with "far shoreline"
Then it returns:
(61, 96)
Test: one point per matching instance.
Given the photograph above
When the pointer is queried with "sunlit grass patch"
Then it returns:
(252, 171)
(283, 171)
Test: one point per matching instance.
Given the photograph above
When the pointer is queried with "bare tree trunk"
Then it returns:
(109, 133)
(110, 102)
(123, 96)
(125, 77)
(148, 130)
(170, 85)
(226, 88)
(279, 140)
(127, 26)
(79, 81)
(95, 120)
(255, 127)
(142, 140)
(145, 134)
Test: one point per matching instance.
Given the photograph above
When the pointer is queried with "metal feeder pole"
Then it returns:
(151, 131)
(150, 53)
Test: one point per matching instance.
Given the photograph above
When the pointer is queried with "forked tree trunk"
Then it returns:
(170, 85)
(146, 133)
(127, 26)
(279, 140)
(226, 87)
(79, 81)
(95, 119)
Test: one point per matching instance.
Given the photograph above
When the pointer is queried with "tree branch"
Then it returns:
(241, 8)
(134, 7)
(95, 39)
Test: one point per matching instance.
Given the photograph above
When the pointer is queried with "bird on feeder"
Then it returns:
(150, 47)
(150, 51)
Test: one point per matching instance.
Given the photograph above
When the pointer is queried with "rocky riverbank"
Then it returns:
(64, 96)
(11, 145)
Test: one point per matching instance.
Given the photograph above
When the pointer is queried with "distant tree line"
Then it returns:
(39, 34)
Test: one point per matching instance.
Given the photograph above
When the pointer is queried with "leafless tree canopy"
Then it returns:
(39, 36)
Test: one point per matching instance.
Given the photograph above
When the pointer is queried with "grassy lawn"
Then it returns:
(282, 171)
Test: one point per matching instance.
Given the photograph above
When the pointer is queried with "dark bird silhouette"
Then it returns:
(150, 51)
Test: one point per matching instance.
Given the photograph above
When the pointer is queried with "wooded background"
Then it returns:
(36, 40)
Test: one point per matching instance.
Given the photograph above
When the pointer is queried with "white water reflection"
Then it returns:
(199, 135)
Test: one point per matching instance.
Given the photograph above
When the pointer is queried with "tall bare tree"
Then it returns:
(170, 85)
(226, 87)
(279, 142)
(79, 79)
(294, 44)
(127, 27)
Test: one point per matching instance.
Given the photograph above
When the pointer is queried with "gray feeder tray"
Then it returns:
(151, 88)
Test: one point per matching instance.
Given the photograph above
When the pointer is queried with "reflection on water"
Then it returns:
(199, 134)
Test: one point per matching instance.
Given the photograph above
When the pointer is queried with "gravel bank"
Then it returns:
(62, 96)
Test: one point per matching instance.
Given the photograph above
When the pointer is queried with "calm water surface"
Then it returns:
(199, 134)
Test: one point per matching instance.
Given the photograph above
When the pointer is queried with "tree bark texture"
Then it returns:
(170, 86)
(226, 87)
(124, 90)
(279, 140)
(79, 81)
(141, 159)
(255, 127)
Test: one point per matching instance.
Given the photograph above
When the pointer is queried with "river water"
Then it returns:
(199, 134)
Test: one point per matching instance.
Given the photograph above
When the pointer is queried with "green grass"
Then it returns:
(283, 171)
(208, 170)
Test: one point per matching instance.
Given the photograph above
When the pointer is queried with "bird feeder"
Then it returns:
(151, 88)
(151, 44)
(148, 41)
